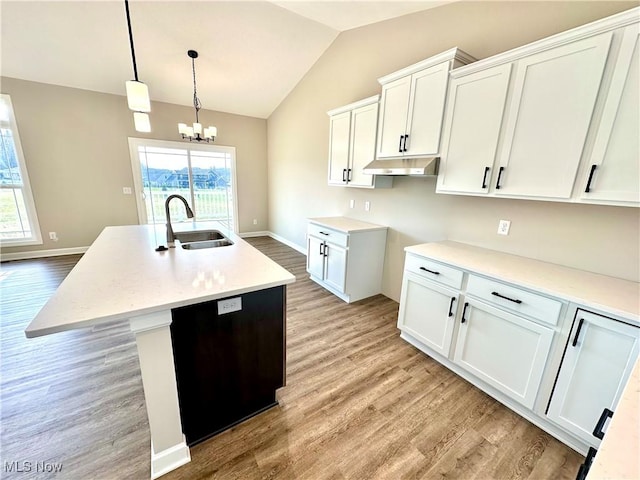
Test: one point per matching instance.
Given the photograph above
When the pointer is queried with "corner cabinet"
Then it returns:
(553, 120)
(525, 341)
(352, 144)
(346, 256)
(412, 106)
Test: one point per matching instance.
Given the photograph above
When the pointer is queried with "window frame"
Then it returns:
(27, 194)
(135, 142)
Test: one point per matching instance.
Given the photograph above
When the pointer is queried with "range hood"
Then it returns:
(404, 166)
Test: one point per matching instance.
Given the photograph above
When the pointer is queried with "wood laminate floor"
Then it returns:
(360, 403)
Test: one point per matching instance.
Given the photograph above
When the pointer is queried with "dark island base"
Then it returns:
(228, 365)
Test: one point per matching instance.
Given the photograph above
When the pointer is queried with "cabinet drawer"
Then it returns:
(328, 234)
(432, 270)
(541, 308)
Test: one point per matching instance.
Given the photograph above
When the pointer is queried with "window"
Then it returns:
(203, 174)
(18, 219)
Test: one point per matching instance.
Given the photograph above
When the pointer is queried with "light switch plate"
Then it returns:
(503, 227)
(229, 305)
(126, 190)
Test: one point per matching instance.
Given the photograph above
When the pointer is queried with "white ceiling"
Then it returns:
(252, 53)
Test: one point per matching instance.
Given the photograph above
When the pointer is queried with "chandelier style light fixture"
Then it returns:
(196, 133)
(137, 92)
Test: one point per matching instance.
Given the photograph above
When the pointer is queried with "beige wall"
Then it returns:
(595, 238)
(77, 154)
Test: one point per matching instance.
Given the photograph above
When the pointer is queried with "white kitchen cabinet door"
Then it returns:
(427, 312)
(614, 167)
(394, 106)
(551, 108)
(595, 368)
(506, 351)
(315, 257)
(339, 135)
(335, 267)
(426, 109)
(472, 128)
(363, 144)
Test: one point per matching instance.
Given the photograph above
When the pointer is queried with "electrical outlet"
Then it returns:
(503, 227)
(352, 203)
(229, 305)
(126, 190)
(53, 236)
(367, 206)
(255, 221)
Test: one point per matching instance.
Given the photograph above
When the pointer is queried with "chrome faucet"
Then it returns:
(171, 239)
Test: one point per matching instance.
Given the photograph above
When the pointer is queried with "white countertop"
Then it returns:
(614, 295)
(346, 225)
(122, 276)
(619, 454)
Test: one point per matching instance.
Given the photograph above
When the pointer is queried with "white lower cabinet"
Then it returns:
(427, 312)
(598, 360)
(507, 351)
(327, 262)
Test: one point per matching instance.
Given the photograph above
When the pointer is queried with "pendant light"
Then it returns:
(196, 133)
(137, 92)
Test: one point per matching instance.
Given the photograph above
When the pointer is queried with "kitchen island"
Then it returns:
(121, 276)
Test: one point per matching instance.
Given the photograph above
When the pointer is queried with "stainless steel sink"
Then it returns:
(224, 242)
(199, 236)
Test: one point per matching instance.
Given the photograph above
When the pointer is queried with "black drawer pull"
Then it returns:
(400, 144)
(575, 339)
(430, 271)
(499, 177)
(464, 312)
(484, 178)
(453, 299)
(593, 170)
(597, 432)
(324, 233)
(514, 300)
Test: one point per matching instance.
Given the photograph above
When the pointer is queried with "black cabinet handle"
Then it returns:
(321, 252)
(499, 177)
(323, 233)
(326, 250)
(593, 170)
(464, 312)
(348, 174)
(430, 271)
(404, 148)
(597, 432)
(344, 175)
(453, 299)
(575, 339)
(484, 178)
(400, 144)
(514, 300)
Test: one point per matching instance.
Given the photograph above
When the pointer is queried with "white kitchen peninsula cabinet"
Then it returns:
(352, 144)
(569, 119)
(507, 351)
(612, 172)
(470, 139)
(412, 105)
(346, 256)
(598, 360)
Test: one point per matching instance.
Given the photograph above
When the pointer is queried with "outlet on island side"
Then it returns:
(503, 227)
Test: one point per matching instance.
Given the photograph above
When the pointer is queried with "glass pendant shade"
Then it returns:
(141, 122)
(138, 96)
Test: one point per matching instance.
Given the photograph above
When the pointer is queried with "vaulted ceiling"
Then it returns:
(252, 53)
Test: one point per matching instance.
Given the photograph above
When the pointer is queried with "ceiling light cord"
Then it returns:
(133, 51)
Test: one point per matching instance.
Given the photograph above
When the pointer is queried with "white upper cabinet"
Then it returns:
(554, 95)
(412, 106)
(554, 120)
(613, 172)
(352, 144)
(470, 139)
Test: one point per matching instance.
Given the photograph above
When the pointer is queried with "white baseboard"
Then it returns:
(288, 243)
(5, 257)
(169, 459)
